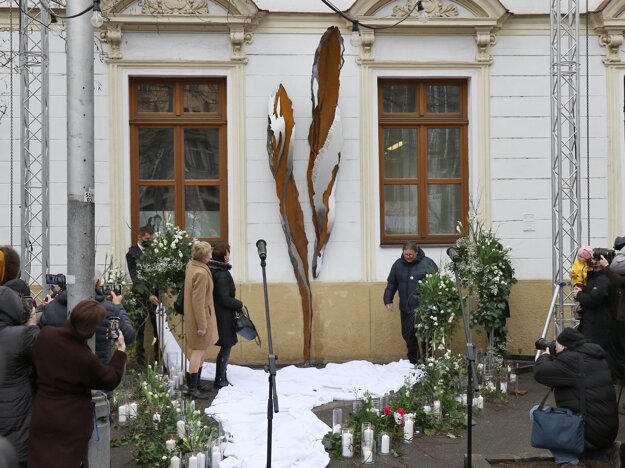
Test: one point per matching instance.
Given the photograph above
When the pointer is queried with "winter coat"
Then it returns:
(404, 278)
(618, 262)
(226, 304)
(559, 372)
(102, 343)
(199, 308)
(597, 301)
(16, 392)
(62, 417)
(618, 281)
(140, 288)
(55, 313)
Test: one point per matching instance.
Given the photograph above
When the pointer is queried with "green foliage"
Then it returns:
(333, 445)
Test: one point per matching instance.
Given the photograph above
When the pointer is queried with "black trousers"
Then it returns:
(417, 347)
(150, 310)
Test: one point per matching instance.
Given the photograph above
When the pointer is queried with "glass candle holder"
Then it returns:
(408, 429)
(192, 460)
(385, 442)
(214, 454)
(367, 444)
(347, 442)
(337, 420)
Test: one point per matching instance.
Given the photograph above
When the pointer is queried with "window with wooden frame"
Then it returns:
(423, 154)
(178, 162)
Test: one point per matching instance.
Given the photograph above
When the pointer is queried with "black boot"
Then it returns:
(194, 391)
(220, 373)
(201, 384)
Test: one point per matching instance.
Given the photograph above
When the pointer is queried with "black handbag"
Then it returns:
(179, 303)
(244, 326)
(560, 429)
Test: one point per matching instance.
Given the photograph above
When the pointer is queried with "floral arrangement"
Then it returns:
(438, 310)
(163, 265)
(487, 274)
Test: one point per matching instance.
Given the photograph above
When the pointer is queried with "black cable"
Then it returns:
(587, 130)
(369, 26)
(11, 131)
(86, 10)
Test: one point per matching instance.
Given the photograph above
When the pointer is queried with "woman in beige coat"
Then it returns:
(200, 324)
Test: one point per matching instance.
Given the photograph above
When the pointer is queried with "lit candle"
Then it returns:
(192, 462)
(132, 412)
(367, 455)
(180, 426)
(367, 437)
(122, 413)
(385, 446)
(347, 441)
(408, 430)
(170, 444)
(215, 457)
(201, 460)
(174, 462)
(336, 429)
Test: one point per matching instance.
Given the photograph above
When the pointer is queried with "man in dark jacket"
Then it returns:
(404, 277)
(143, 292)
(563, 373)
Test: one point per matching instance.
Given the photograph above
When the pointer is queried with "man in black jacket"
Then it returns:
(143, 292)
(562, 372)
(405, 274)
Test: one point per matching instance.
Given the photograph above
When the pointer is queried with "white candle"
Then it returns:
(180, 426)
(348, 449)
(427, 409)
(386, 444)
(367, 437)
(408, 430)
(367, 455)
(336, 429)
(215, 457)
(437, 406)
(192, 462)
(503, 386)
(480, 402)
(464, 399)
(170, 444)
(122, 413)
(174, 462)
(512, 378)
(132, 412)
(201, 460)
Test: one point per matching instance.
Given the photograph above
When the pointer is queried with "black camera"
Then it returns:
(56, 280)
(113, 330)
(599, 252)
(108, 288)
(542, 344)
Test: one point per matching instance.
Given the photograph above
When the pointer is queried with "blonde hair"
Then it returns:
(200, 250)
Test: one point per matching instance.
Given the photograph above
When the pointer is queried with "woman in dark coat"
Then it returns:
(226, 304)
(597, 302)
(67, 371)
(16, 339)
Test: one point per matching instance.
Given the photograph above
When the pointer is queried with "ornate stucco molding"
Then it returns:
(612, 40)
(484, 38)
(434, 9)
(367, 38)
(112, 35)
(174, 7)
(238, 38)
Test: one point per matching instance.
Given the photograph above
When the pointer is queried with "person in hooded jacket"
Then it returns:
(55, 311)
(561, 372)
(16, 390)
(226, 304)
(404, 276)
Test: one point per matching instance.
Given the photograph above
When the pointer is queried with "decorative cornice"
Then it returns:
(367, 38)
(112, 35)
(612, 40)
(484, 38)
(174, 7)
(238, 38)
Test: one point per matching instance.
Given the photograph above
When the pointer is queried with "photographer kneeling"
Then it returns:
(562, 372)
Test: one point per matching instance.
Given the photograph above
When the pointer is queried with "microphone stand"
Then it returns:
(472, 385)
(272, 403)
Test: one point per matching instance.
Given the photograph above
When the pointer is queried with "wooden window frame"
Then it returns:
(179, 121)
(421, 120)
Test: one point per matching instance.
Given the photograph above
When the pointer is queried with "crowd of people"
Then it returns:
(46, 407)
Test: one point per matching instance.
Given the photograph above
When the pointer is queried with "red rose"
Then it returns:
(387, 410)
(401, 411)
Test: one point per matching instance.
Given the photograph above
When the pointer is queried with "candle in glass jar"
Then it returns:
(180, 427)
(132, 412)
(367, 437)
(367, 455)
(122, 413)
(480, 402)
(215, 457)
(408, 430)
(347, 441)
(503, 386)
(170, 444)
(385, 446)
(201, 460)
(174, 462)
(427, 409)
(192, 462)
(336, 429)
(437, 406)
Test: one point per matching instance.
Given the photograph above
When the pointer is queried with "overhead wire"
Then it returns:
(355, 21)
(587, 128)
(11, 129)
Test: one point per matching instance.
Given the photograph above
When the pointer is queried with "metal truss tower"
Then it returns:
(565, 175)
(34, 144)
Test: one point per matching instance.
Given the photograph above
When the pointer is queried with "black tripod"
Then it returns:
(272, 402)
(472, 385)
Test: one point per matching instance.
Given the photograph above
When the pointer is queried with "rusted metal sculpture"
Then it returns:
(325, 138)
(280, 130)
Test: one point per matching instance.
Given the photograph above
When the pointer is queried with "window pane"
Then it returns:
(201, 153)
(156, 204)
(443, 208)
(202, 211)
(443, 98)
(399, 98)
(400, 209)
(443, 152)
(400, 153)
(201, 98)
(155, 98)
(156, 153)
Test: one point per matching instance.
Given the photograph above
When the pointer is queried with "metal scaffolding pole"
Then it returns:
(565, 177)
(34, 151)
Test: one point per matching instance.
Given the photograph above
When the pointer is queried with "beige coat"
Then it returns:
(199, 310)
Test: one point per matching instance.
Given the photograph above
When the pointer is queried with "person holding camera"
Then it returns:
(559, 367)
(116, 318)
(63, 411)
(596, 301)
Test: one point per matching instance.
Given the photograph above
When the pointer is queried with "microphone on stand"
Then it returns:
(453, 254)
(261, 245)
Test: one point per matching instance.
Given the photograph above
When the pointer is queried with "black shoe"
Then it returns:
(194, 391)
(220, 383)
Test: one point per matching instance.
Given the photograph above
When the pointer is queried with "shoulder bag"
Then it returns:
(560, 429)
(244, 326)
